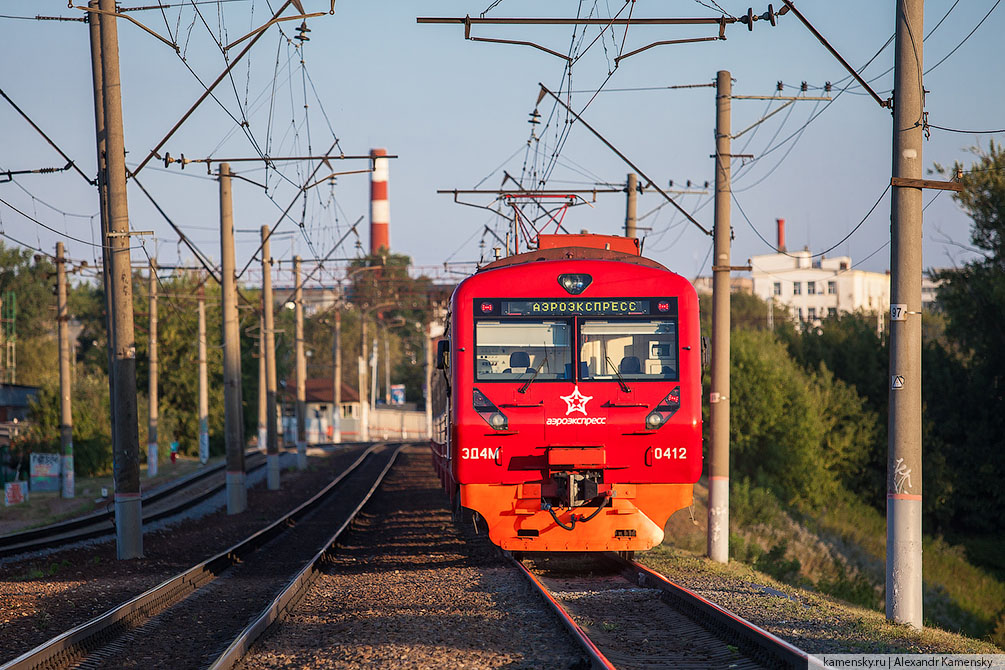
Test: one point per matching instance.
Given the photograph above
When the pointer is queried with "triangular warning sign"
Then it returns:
(897, 382)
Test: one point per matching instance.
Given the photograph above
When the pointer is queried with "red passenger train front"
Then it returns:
(575, 400)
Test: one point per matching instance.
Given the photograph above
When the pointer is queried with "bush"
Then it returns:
(92, 456)
(743, 550)
(775, 428)
(797, 434)
(92, 440)
(750, 505)
(775, 564)
(855, 589)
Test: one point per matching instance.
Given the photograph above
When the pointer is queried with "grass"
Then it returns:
(958, 595)
(44, 571)
(858, 629)
(840, 551)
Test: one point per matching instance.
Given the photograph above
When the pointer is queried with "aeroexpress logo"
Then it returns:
(576, 402)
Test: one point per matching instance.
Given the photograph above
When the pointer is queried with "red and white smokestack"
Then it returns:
(380, 207)
(781, 234)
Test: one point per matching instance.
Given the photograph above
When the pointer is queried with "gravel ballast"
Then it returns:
(410, 589)
(42, 597)
(813, 622)
(631, 625)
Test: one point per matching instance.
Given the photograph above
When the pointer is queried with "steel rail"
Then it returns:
(67, 645)
(284, 603)
(54, 535)
(751, 639)
(597, 659)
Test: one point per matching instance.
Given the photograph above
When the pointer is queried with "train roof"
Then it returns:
(578, 247)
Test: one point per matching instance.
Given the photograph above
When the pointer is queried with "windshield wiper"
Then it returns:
(621, 381)
(523, 389)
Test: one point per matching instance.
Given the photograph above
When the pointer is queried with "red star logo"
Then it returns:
(576, 401)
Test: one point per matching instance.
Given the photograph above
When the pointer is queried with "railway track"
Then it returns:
(163, 503)
(210, 614)
(626, 616)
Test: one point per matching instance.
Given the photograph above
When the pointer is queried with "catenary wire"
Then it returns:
(57, 232)
(829, 249)
(969, 35)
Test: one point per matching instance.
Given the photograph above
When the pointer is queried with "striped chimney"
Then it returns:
(380, 208)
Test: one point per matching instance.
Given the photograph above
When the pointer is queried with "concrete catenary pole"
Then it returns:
(380, 206)
(298, 306)
(428, 351)
(233, 411)
(268, 309)
(903, 492)
(97, 81)
(374, 371)
(631, 207)
(387, 368)
(718, 397)
(65, 380)
(337, 378)
(128, 506)
(203, 382)
(263, 435)
(153, 405)
(362, 382)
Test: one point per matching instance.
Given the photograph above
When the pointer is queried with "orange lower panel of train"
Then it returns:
(632, 521)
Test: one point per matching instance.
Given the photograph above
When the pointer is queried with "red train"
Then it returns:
(568, 407)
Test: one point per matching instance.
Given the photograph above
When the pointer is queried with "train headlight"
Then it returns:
(488, 411)
(663, 411)
(574, 284)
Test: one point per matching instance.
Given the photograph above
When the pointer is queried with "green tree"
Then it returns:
(775, 430)
(92, 442)
(746, 312)
(972, 296)
(31, 279)
(850, 347)
(804, 435)
(392, 301)
(177, 353)
(967, 402)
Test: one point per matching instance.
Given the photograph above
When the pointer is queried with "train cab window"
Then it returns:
(639, 350)
(519, 350)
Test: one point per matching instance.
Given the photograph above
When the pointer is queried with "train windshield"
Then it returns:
(636, 349)
(517, 350)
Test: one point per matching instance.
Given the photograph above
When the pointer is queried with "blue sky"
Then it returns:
(455, 112)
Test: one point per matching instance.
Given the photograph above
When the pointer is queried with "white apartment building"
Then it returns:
(815, 288)
(929, 291)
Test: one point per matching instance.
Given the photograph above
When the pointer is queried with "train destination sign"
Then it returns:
(577, 307)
